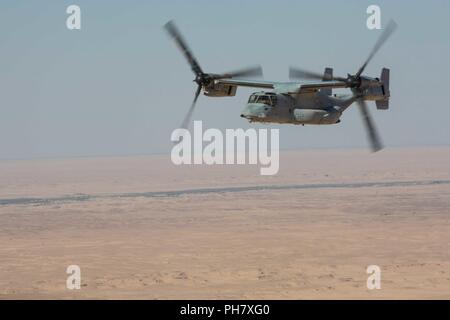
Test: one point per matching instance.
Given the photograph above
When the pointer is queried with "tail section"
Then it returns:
(327, 76)
(384, 78)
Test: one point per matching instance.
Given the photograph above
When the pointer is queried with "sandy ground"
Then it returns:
(310, 235)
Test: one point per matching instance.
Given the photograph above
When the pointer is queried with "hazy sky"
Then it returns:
(120, 86)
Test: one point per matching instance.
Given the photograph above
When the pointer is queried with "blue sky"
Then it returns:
(120, 86)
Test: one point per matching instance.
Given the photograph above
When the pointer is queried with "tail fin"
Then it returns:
(327, 76)
(384, 104)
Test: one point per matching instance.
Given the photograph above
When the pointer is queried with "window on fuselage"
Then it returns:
(274, 100)
(264, 100)
(252, 98)
(270, 100)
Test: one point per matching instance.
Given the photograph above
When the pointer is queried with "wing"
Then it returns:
(321, 84)
(248, 83)
(285, 87)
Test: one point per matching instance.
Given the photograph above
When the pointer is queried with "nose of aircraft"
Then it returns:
(255, 110)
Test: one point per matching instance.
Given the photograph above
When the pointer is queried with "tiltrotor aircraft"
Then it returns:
(296, 102)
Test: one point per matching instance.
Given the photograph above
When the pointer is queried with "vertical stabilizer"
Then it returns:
(327, 76)
(384, 104)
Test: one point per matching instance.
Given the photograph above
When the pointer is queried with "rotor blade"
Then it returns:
(297, 73)
(255, 71)
(173, 31)
(372, 133)
(187, 118)
(387, 32)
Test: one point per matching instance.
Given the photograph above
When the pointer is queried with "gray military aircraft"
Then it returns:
(300, 102)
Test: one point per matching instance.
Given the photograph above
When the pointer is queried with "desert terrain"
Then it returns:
(140, 227)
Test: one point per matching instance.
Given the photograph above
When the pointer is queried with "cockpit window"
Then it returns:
(265, 99)
(252, 98)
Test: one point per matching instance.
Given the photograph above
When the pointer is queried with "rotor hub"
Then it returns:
(202, 79)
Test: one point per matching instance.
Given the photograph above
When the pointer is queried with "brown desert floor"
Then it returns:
(311, 234)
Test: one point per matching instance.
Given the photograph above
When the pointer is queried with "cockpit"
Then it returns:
(263, 98)
(260, 106)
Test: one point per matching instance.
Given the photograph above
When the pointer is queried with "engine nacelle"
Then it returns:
(374, 89)
(374, 93)
(220, 90)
